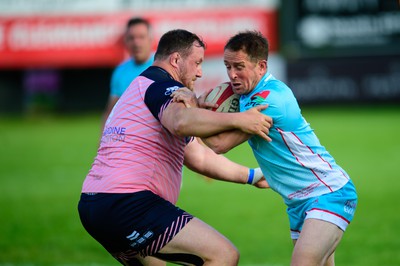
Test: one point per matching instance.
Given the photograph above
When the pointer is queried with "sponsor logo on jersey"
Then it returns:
(257, 99)
(170, 90)
(113, 134)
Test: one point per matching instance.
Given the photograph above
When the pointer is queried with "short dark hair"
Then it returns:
(177, 40)
(137, 20)
(253, 43)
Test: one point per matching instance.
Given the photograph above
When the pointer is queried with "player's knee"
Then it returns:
(231, 255)
(235, 256)
(224, 255)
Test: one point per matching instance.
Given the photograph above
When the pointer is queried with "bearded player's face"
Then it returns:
(190, 67)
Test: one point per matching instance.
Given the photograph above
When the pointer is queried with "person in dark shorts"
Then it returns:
(129, 195)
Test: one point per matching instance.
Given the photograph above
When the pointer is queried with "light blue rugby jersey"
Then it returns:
(124, 73)
(295, 164)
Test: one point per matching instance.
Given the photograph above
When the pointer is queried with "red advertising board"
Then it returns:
(217, 25)
(96, 40)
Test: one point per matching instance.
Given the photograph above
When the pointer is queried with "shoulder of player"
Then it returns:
(277, 88)
(160, 77)
(273, 92)
(276, 84)
(166, 87)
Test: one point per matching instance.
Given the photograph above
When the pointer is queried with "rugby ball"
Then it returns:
(223, 95)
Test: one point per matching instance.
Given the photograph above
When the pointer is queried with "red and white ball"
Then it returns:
(223, 95)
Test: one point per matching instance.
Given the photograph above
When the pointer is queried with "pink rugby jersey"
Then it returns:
(136, 152)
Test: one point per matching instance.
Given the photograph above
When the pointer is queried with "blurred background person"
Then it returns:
(138, 40)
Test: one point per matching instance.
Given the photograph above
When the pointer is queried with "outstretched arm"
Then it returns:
(183, 121)
(219, 143)
(203, 160)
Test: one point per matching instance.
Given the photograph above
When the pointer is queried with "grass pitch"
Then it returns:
(43, 162)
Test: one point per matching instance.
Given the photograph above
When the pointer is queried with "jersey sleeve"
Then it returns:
(158, 96)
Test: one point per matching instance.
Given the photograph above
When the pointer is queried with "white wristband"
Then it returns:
(255, 174)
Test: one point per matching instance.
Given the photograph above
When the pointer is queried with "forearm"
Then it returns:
(203, 160)
(203, 123)
(225, 141)
(183, 121)
(220, 168)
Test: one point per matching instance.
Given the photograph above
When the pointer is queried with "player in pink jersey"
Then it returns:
(128, 197)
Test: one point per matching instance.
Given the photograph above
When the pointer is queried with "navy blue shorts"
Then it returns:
(130, 224)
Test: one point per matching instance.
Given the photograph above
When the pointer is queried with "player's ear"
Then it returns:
(174, 59)
(262, 64)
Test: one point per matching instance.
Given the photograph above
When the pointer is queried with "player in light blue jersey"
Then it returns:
(319, 194)
(138, 41)
(124, 73)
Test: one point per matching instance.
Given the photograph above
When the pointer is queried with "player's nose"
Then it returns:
(231, 74)
(199, 72)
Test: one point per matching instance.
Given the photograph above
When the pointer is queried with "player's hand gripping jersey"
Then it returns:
(136, 152)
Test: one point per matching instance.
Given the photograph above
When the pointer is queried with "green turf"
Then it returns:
(43, 162)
